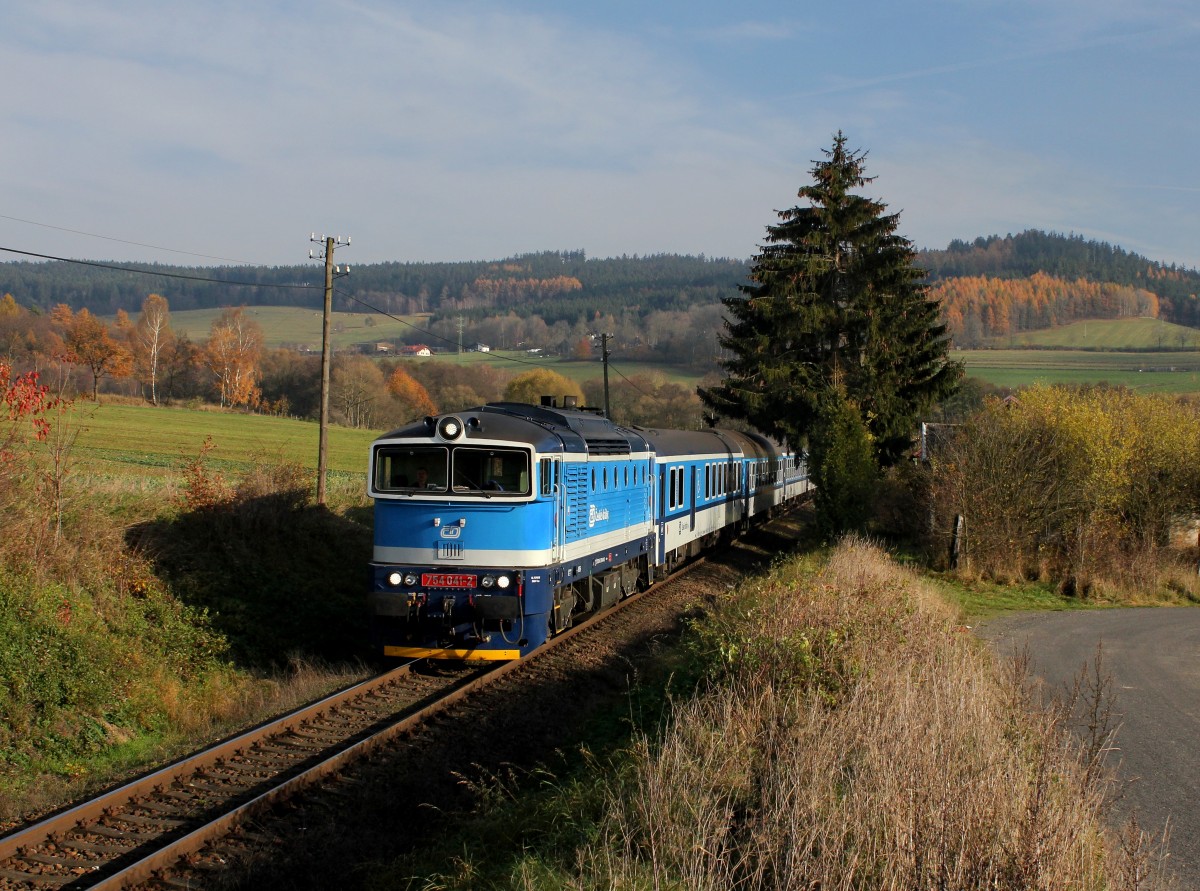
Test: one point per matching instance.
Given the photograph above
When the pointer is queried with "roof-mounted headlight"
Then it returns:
(450, 427)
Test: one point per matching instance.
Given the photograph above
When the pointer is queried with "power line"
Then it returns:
(124, 241)
(194, 278)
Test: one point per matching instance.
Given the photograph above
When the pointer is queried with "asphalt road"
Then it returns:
(1153, 658)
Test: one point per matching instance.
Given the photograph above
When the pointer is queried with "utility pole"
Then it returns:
(604, 358)
(330, 243)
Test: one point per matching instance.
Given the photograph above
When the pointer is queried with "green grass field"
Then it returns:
(1153, 372)
(296, 326)
(516, 362)
(125, 440)
(1107, 334)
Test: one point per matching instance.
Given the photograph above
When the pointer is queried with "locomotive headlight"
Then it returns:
(503, 581)
(394, 579)
(450, 428)
(487, 581)
(410, 579)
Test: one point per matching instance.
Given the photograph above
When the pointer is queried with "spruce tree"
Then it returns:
(835, 302)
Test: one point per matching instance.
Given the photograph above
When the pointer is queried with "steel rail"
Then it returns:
(168, 855)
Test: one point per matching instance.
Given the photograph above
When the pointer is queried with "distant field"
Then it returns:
(292, 325)
(1162, 372)
(285, 325)
(123, 440)
(1109, 334)
(1080, 353)
(517, 362)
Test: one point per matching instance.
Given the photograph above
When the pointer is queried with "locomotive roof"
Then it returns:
(580, 431)
(586, 431)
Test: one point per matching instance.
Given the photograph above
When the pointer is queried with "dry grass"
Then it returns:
(903, 758)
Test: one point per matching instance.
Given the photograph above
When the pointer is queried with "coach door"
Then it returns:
(695, 488)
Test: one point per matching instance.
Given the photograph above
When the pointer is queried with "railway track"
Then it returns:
(175, 818)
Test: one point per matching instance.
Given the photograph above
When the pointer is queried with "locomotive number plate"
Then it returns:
(447, 580)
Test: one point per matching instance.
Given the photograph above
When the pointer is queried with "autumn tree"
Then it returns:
(412, 400)
(531, 386)
(149, 339)
(357, 391)
(235, 345)
(649, 400)
(836, 303)
(24, 402)
(87, 342)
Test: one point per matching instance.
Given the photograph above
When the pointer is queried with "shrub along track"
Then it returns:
(338, 784)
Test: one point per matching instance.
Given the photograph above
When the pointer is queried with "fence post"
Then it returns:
(956, 540)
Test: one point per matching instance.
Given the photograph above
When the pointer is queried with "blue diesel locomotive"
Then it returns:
(497, 526)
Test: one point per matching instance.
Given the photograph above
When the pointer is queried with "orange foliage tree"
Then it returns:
(977, 307)
(87, 341)
(413, 398)
(232, 354)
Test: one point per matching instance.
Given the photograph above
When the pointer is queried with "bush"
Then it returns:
(1080, 486)
(842, 466)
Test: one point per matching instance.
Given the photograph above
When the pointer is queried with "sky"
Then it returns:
(217, 133)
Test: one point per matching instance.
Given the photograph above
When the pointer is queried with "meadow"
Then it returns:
(126, 441)
(1162, 372)
(1107, 334)
(516, 362)
(301, 326)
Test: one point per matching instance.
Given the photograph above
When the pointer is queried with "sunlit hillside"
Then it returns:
(295, 326)
(1108, 334)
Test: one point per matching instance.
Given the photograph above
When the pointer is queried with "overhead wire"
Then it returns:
(155, 247)
(179, 275)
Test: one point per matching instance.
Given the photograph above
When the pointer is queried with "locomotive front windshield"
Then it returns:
(465, 469)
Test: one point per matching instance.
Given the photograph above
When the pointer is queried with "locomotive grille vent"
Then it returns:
(597, 446)
(450, 550)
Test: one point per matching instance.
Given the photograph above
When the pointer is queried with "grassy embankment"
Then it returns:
(829, 725)
(168, 598)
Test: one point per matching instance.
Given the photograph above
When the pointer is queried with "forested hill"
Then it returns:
(567, 285)
(1069, 258)
(557, 285)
